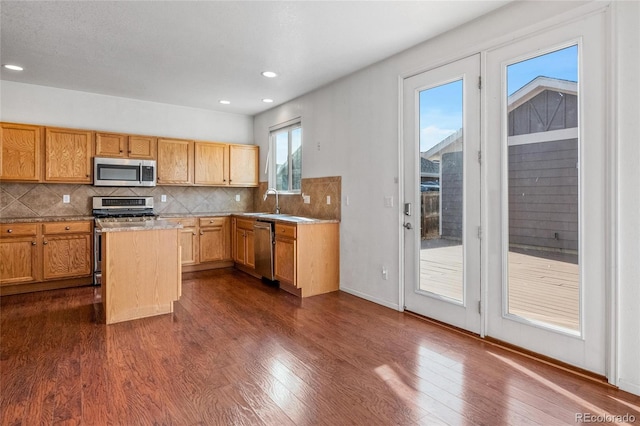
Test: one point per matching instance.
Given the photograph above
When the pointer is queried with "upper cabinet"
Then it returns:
(175, 161)
(125, 146)
(20, 152)
(212, 164)
(226, 164)
(68, 155)
(243, 165)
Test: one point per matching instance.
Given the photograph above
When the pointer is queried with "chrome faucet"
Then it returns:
(272, 191)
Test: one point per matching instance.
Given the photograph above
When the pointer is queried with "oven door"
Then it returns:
(97, 256)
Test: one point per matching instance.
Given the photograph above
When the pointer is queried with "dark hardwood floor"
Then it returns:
(238, 352)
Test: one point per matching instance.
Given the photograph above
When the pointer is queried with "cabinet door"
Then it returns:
(18, 260)
(243, 165)
(21, 152)
(211, 163)
(239, 253)
(68, 155)
(111, 145)
(142, 147)
(189, 244)
(285, 260)
(215, 244)
(250, 252)
(66, 256)
(175, 161)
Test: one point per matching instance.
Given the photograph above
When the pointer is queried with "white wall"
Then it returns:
(627, 24)
(355, 121)
(28, 103)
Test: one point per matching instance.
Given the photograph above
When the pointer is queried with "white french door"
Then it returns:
(544, 192)
(441, 142)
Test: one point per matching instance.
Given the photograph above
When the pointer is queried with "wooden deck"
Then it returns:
(540, 289)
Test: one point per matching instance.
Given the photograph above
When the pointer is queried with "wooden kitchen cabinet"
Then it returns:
(21, 149)
(44, 256)
(18, 253)
(307, 258)
(244, 243)
(125, 146)
(189, 240)
(243, 165)
(175, 161)
(66, 249)
(222, 164)
(215, 239)
(68, 155)
(211, 163)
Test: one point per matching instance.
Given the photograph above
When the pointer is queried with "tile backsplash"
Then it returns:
(23, 200)
(316, 188)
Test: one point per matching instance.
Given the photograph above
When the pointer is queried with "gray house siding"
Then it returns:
(451, 195)
(543, 195)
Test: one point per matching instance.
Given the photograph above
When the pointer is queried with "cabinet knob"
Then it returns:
(67, 228)
(45, 242)
(9, 230)
(33, 243)
(120, 151)
(201, 233)
(224, 180)
(194, 233)
(86, 175)
(211, 221)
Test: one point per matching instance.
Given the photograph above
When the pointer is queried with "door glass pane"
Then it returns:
(441, 190)
(282, 161)
(543, 283)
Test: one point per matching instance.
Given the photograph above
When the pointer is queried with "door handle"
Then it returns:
(408, 226)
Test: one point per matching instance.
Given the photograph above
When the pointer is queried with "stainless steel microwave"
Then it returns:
(123, 172)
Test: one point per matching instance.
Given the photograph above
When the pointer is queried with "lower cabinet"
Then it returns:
(243, 243)
(307, 258)
(43, 256)
(205, 242)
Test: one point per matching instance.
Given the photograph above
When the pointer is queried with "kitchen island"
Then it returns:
(141, 274)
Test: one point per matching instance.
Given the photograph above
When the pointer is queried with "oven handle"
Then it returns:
(140, 173)
(97, 249)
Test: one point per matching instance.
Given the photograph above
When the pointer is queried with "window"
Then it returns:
(286, 157)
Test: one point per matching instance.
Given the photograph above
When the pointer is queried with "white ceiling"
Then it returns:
(194, 53)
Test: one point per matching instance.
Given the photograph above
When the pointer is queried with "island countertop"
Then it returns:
(150, 225)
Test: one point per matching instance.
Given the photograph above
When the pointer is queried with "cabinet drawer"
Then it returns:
(245, 224)
(18, 229)
(186, 222)
(286, 230)
(212, 221)
(67, 228)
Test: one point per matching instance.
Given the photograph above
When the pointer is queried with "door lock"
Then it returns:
(408, 226)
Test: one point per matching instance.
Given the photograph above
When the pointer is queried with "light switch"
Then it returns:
(237, 197)
(328, 199)
(66, 198)
(163, 198)
(307, 199)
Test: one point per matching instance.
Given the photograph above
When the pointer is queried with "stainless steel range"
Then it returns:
(116, 209)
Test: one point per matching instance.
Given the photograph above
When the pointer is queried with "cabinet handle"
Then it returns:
(67, 228)
(45, 242)
(9, 231)
(33, 243)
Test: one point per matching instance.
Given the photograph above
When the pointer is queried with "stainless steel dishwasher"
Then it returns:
(263, 244)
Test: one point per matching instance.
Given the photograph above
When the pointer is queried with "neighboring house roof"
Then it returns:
(440, 146)
(539, 85)
(429, 167)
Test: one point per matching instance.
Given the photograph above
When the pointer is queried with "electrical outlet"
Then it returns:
(66, 198)
(328, 199)
(307, 199)
(385, 273)
(237, 197)
(347, 200)
(163, 198)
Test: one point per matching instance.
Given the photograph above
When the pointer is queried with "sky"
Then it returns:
(441, 106)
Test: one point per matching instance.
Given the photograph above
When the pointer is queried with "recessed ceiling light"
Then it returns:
(269, 74)
(267, 100)
(13, 67)
(224, 102)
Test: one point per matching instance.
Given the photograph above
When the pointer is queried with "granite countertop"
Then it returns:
(286, 218)
(44, 219)
(149, 225)
(202, 214)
